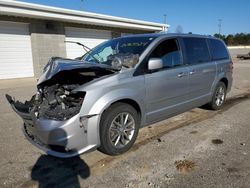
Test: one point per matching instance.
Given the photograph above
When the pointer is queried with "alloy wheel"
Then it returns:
(220, 96)
(122, 130)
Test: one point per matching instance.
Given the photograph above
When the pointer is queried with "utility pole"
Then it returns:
(165, 21)
(220, 25)
(81, 6)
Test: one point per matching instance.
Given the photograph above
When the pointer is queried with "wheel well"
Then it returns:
(225, 81)
(132, 103)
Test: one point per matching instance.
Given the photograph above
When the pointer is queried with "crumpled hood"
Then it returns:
(57, 64)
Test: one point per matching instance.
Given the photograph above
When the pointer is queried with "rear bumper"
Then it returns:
(60, 138)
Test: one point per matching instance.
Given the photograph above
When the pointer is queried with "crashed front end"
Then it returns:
(52, 119)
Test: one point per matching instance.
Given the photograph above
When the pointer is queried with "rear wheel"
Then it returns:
(118, 129)
(219, 97)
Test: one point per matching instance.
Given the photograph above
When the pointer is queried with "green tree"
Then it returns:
(237, 39)
(217, 35)
(230, 40)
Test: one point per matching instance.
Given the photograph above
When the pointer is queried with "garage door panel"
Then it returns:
(8, 71)
(8, 64)
(14, 37)
(7, 75)
(16, 40)
(88, 37)
(15, 51)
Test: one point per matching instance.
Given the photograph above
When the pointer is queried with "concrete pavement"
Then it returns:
(199, 148)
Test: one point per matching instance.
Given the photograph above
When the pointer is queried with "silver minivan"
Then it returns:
(100, 100)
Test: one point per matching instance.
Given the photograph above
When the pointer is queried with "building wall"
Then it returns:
(47, 38)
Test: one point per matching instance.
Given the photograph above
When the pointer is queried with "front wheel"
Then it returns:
(219, 96)
(118, 129)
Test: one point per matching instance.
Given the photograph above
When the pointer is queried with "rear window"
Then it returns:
(218, 50)
(196, 50)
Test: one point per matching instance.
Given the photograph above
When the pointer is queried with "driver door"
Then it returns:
(167, 88)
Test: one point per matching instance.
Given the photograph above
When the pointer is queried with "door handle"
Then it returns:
(181, 74)
(191, 72)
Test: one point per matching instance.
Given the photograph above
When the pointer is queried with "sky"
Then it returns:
(196, 16)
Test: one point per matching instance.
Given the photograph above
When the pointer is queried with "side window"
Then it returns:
(218, 49)
(196, 50)
(169, 52)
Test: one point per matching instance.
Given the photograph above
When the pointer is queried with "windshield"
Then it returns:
(118, 50)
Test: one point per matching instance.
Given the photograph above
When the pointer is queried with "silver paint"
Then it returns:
(159, 95)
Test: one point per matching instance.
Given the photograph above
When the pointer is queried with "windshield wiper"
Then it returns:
(86, 49)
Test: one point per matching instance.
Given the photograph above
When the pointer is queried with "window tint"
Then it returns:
(169, 52)
(218, 49)
(196, 50)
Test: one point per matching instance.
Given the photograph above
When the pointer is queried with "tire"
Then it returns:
(117, 137)
(219, 97)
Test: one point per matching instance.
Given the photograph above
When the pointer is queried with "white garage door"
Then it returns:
(88, 37)
(15, 51)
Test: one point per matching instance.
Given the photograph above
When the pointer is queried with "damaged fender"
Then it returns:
(103, 103)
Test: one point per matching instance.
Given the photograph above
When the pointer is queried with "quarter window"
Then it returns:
(218, 49)
(196, 50)
(169, 52)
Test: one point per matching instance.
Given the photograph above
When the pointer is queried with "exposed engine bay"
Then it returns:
(56, 98)
(126, 60)
(54, 102)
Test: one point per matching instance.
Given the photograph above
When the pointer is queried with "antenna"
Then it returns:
(165, 28)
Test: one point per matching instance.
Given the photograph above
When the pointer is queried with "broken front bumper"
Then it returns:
(60, 138)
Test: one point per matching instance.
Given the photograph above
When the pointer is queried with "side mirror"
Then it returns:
(155, 64)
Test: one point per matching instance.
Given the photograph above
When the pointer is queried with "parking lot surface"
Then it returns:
(199, 148)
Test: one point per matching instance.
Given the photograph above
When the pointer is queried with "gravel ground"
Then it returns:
(199, 148)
